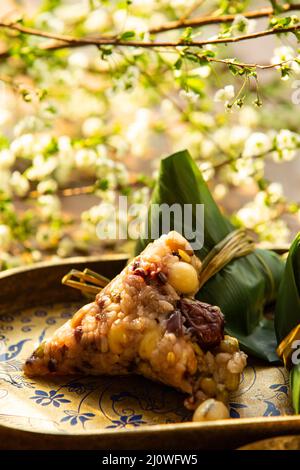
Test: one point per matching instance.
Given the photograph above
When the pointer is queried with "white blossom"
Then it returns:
(224, 94)
(233, 137)
(8, 261)
(42, 143)
(203, 71)
(47, 237)
(274, 232)
(36, 255)
(137, 133)
(282, 53)
(4, 181)
(47, 186)
(108, 196)
(28, 124)
(5, 116)
(41, 167)
(92, 126)
(242, 25)
(286, 139)
(257, 143)
(19, 184)
(251, 215)
(220, 191)
(275, 192)
(245, 168)
(286, 143)
(64, 144)
(125, 22)
(284, 155)
(203, 119)
(65, 247)
(208, 149)
(237, 135)
(181, 4)
(85, 158)
(97, 213)
(7, 159)
(189, 95)
(63, 172)
(72, 13)
(23, 146)
(287, 55)
(5, 237)
(141, 196)
(207, 170)
(50, 21)
(79, 59)
(49, 205)
(96, 21)
(248, 116)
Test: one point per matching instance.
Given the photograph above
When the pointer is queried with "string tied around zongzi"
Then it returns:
(238, 243)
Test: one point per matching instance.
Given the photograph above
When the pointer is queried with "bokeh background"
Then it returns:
(79, 126)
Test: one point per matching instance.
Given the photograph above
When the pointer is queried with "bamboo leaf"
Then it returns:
(295, 387)
(287, 313)
(243, 287)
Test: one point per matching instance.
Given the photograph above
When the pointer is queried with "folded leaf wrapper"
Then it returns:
(245, 285)
(287, 314)
(146, 321)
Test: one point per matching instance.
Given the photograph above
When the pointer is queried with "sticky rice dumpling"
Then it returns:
(146, 321)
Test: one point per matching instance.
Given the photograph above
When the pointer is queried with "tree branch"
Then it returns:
(207, 20)
(243, 64)
(72, 41)
(228, 161)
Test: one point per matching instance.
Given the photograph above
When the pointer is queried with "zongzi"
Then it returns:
(245, 285)
(147, 321)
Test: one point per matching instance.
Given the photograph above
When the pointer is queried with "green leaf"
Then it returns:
(187, 35)
(195, 84)
(194, 57)
(285, 71)
(234, 69)
(295, 387)
(102, 184)
(127, 35)
(245, 285)
(178, 64)
(287, 313)
(105, 51)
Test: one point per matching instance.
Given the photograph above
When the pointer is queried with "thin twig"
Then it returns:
(245, 65)
(217, 166)
(72, 41)
(88, 189)
(213, 19)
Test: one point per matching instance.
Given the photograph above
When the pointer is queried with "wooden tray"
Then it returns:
(110, 412)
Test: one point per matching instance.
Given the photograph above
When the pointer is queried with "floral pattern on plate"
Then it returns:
(76, 404)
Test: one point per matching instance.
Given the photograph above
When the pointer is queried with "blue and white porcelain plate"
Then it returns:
(79, 404)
